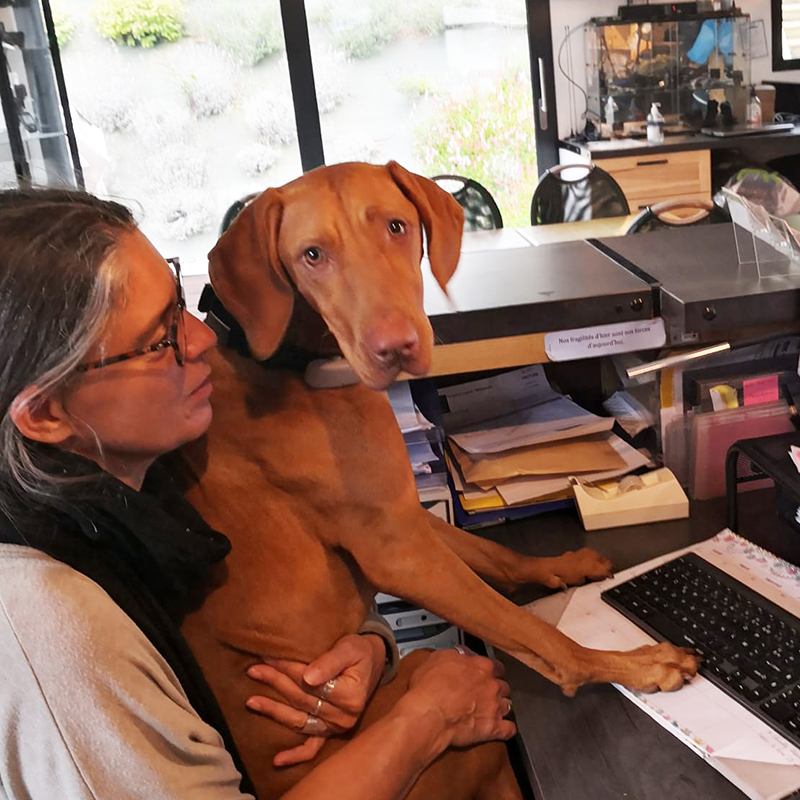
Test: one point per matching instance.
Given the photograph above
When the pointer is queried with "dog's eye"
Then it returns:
(312, 255)
(397, 226)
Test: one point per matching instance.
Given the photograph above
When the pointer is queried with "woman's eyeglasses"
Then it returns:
(176, 338)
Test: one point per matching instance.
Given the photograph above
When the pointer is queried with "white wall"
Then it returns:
(762, 67)
(575, 12)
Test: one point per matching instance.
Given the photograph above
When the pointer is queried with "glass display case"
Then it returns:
(681, 63)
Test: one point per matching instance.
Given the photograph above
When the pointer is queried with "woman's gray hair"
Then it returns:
(58, 285)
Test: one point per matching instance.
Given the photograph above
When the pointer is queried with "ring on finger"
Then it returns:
(315, 712)
(313, 726)
(510, 706)
(459, 648)
(328, 687)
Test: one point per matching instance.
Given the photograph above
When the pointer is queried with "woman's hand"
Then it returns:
(330, 691)
(468, 694)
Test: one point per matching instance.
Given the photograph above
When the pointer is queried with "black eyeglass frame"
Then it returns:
(172, 340)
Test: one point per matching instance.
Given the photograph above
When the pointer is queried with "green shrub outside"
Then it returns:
(362, 38)
(250, 30)
(63, 23)
(139, 22)
(488, 137)
(361, 28)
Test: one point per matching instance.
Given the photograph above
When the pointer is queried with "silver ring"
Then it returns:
(313, 726)
(328, 687)
(315, 712)
(508, 700)
(461, 650)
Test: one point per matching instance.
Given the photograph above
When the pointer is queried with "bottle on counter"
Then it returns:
(655, 125)
(611, 110)
(754, 108)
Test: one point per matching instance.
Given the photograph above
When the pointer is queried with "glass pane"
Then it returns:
(790, 31)
(441, 88)
(36, 106)
(182, 118)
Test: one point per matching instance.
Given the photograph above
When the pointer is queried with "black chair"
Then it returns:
(233, 211)
(592, 196)
(480, 210)
(652, 218)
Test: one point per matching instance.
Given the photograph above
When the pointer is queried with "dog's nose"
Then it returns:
(399, 342)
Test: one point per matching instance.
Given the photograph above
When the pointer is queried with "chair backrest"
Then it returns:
(480, 210)
(591, 196)
(654, 218)
(233, 211)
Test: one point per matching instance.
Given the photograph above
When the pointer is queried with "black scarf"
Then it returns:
(149, 550)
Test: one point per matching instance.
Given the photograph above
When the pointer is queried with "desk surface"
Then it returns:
(570, 231)
(598, 745)
(779, 143)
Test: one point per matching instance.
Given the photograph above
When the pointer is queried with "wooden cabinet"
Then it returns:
(648, 179)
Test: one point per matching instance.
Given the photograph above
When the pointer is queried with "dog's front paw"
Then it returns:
(660, 667)
(573, 568)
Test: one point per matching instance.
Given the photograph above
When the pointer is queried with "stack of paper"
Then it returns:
(514, 440)
(418, 432)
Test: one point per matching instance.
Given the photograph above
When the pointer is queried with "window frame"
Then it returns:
(779, 63)
(52, 92)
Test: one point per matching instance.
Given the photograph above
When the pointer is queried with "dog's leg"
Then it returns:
(404, 556)
(507, 569)
(503, 784)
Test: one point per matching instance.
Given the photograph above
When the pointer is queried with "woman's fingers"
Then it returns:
(284, 684)
(346, 653)
(282, 713)
(296, 700)
(299, 754)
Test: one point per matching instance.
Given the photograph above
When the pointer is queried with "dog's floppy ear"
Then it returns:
(248, 277)
(441, 215)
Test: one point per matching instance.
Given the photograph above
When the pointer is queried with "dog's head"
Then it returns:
(349, 238)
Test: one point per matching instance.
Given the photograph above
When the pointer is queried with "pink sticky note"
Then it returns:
(761, 390)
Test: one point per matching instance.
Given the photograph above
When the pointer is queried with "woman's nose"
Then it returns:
(199, 337)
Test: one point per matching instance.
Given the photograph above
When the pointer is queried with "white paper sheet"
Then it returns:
(629, 412)
(701, 715)
(408, 415)
(514, 409)
(619, 337)
(421, 453)
(485, 399)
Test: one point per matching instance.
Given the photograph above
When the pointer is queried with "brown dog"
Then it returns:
(314, 487)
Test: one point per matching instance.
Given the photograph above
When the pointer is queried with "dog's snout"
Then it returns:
(395, 342)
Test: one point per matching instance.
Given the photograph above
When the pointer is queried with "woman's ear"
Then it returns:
(43, 419)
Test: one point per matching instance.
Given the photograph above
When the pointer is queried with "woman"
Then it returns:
(102, 371)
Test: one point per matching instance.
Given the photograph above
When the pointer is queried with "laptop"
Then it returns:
(746, 130)
(739, 605)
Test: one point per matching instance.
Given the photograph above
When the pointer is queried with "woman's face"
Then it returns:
(144, 407)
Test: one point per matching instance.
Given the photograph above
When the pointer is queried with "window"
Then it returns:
(185, 116)
(35, 145)
(181, 107)
(440, 87)
(785, 34)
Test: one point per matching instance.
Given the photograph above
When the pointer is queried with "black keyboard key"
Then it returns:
(667, 628)
(775, 685)
(780, 712)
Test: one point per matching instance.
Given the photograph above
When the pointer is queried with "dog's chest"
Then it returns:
(288, 473)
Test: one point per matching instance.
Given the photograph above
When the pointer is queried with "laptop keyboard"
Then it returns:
(750, 646)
